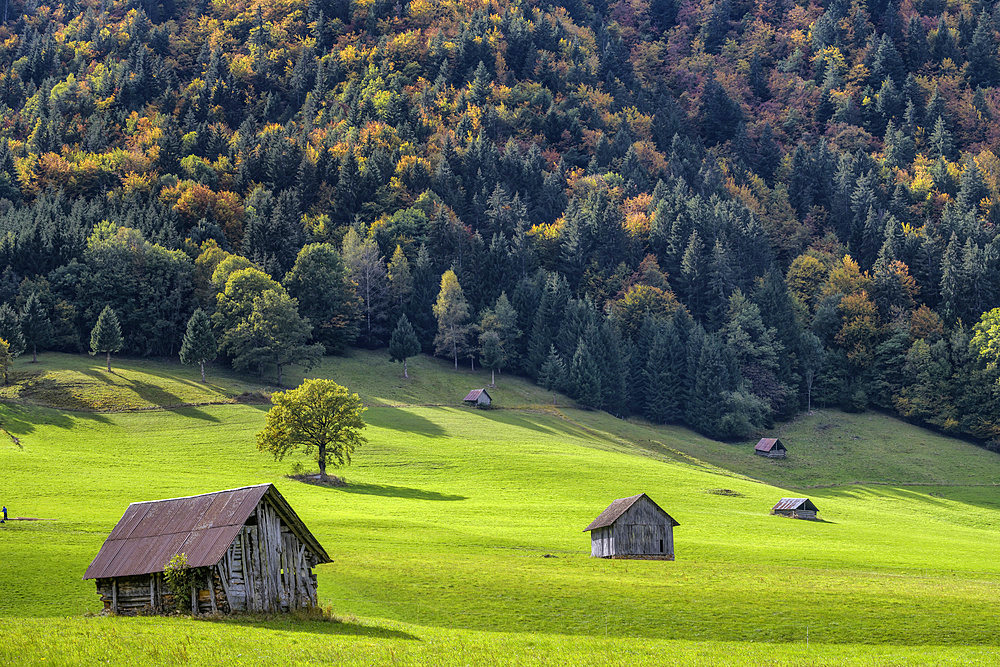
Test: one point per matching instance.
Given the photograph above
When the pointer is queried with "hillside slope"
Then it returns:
(442, 537)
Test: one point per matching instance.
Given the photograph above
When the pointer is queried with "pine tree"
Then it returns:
(452, 313)
(585, 378)
(400, 280)
(403, 343)
(552, 375)
(199, 345)
(662, 403)
(35, 324)
(106, 336)
(10, 330)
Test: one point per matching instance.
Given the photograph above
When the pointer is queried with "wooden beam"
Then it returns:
(211, 592)
(114, 596)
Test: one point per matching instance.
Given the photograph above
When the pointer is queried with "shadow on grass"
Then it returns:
(153, 394)
(395, 492)
(20, 420)
(326, 627)
(403, 420)
(976, 495)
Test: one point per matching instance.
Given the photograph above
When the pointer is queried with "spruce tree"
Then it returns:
(552, 375)
(35, 324)
(403, 343)
(662, 398)
(106, 336)
(585, 378)
(10, 330)
(199, 345)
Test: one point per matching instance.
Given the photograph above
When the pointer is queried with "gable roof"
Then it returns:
(619, 507)
(767, 444)
(475, 394)
(795, 504)
(202, 527)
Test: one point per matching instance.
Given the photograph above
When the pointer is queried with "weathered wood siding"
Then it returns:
(643, 530)
(602, 542)
(148, 594)
(779, 454)
(265, 569)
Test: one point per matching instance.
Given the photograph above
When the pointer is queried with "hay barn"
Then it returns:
(254, 553)
(797, 508)
(771, 448)
(633, 527)
(478, 398)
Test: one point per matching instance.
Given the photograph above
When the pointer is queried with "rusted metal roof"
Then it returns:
(619, 507)
(795, 504)
(475, 394)
(202, 527)
(767, 444)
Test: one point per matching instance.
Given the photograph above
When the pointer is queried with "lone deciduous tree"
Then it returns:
(403, 343)
(318, 415)
(106, 336)
(6, 359)
(199, 345)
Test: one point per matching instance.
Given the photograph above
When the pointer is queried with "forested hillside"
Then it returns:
(707, 213)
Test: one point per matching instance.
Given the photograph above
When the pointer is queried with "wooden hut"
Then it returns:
(633, 527)
(797, 508)
(771, 448)
(253, 553)
(478, 398)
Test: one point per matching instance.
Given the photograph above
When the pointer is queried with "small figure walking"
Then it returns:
(4, 520)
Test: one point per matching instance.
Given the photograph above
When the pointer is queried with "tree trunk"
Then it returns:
(404, 369)
(493, 378)
(109, 361)
(202, 364)
(34, 354)
(322, 462)
(279, 375)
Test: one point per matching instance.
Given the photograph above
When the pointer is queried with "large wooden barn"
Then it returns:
(797, 508)
(633, 527)
(253, 550)
(771, 448)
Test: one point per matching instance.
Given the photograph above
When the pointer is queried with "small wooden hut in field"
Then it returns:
(633, 527)
(478, 398)
(797, 508)
(771, 448)
(252, 550)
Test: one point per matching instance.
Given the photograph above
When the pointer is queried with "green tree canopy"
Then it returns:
(10, 330)
(326, 295)
(199, 344)
(403, 343)
(106, 336)
(35, 324)
(452, 312)
(318, 415)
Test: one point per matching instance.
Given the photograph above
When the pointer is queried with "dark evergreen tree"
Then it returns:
(403, 343)
(199, 345)
(106, 336)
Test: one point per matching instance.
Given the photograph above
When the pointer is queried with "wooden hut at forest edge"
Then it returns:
(633, 527)
(253, 551)
(771, 448)
(478, 398)
(797, 508)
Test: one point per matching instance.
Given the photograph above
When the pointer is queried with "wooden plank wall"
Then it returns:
(640, 531)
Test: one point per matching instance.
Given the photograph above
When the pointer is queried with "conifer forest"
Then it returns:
(712, 213)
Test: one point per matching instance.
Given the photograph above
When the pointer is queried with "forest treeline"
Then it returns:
(706, 213)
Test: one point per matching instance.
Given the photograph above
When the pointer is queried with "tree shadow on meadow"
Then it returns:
(154, 394)
(19, 420)
(940, 496)
(326, 627)
(533, 422)
(395, 492)
(403, 420)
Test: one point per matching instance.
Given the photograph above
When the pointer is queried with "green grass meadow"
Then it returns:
(459, 539)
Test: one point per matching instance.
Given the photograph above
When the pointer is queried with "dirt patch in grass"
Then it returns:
(253, 398)
(314, 478)
(725, 492)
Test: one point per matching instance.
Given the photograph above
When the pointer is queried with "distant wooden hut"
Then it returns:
(633, 527)
(478, 398)
(797, 508)
(254, 552)
(771, 448)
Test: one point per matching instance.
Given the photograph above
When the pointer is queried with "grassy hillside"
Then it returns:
(440, 541)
